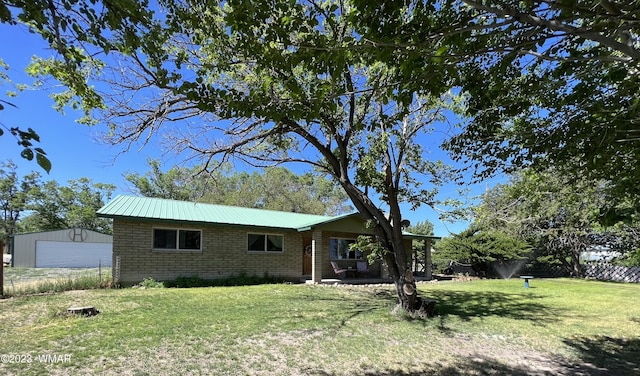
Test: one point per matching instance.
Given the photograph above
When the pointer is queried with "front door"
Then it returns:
(306, 259)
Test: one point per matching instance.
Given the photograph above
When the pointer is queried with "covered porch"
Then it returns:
(326, 250)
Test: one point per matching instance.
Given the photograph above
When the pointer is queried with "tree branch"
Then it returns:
(626, 49)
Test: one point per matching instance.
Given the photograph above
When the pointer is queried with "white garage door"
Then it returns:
(72, 254)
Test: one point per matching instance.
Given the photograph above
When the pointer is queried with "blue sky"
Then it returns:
(75, 150)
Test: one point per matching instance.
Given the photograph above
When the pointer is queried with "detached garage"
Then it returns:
(72, 248)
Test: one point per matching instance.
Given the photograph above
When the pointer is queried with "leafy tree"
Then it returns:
(24, 138)
(551, 83)
(481, 248)
(175, 184)
(623, 240)
(276, 188)
(561, 217)
(534, 74)
(280, 83)
(631, 258)
(421, 228)
(14, 198)
(71, 27)
(55, 207)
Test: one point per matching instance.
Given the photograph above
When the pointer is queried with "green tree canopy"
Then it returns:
(80, 33)
(275, 188)
(54, 207)
(347, 86)
(283, 82)
(481, 248)
(561, 217)
(24, 139)
(14, 198)
(547, 83)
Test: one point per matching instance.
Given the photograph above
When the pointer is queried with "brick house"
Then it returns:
(165, 239)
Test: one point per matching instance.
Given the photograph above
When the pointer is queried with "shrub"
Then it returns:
(150, 283)
(240, 280)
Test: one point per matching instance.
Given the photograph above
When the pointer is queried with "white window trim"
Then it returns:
(343, 259)
(265, 251)
(179, 250)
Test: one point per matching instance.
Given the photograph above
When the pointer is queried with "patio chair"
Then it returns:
(363, 268)
(341, 273)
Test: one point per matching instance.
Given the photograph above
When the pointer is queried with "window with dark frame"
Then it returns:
(265, 242)
(339, 250)
(175, 239)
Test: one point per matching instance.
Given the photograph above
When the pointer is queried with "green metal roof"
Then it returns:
(172, 210)
(147, 208)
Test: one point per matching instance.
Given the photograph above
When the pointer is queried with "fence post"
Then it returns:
(116, 274)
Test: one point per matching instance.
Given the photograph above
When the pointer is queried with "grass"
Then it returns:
(483, 328)
(29, 281)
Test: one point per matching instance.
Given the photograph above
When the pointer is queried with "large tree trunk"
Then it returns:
(389, 233)
(403, 280)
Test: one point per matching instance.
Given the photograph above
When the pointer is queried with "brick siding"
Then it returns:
(224, 253)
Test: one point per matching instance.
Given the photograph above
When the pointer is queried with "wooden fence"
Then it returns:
(608, 272)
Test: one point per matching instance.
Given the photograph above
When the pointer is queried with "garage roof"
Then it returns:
(146, 208)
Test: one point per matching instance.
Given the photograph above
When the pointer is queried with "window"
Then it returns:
(339, 249)
(265, 243)
(174, 239)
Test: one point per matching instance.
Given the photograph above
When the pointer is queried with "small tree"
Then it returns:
(482, 248)
(54, 207)
(14, 199)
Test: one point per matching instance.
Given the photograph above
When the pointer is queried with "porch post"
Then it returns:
(316, 256)
(427, 260)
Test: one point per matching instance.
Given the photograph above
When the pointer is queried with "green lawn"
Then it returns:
(489, 327)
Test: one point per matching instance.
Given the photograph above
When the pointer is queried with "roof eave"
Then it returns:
(188, 222)
(313, 225)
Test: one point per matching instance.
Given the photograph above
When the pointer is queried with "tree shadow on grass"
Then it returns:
(341, 309)
(464, 305)
(468, 305)
(478, 365)
(603, 355)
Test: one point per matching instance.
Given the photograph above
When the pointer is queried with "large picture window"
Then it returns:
(177, 240)
(265, 243)
(339, 249)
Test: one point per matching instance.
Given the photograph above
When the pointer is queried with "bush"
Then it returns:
(150, 283)
(240, 280)
(480, 248)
